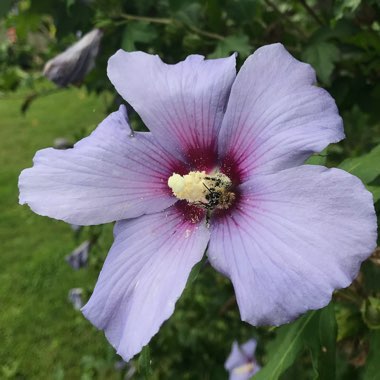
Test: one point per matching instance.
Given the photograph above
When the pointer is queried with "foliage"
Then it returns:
(341, 39)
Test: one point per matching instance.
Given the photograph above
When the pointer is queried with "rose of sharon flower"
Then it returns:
(241, 363)
(220, 168)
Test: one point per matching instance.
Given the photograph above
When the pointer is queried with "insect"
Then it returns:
(219, 196)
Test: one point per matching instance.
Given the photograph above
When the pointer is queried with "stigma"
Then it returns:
(206, 190)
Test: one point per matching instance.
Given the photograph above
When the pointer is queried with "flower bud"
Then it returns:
(74, 63)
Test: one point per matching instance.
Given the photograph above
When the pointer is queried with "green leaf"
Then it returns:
(343, 7)
(195, 271)
(348, 320)
(189, 13)
(365, 167)
(327, 339)
(318, 159)
(371, 272)
(372, 368)
(320, 338)
(371, 312)
(137, 31)
(143, 364)
(322, 56)
(237, 43)
(103, 23)
(375, 190)
(286, 347)
(69, 3)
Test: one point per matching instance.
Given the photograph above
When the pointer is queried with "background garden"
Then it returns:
(42, 335)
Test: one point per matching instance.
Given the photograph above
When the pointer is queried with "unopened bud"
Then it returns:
(74, 63)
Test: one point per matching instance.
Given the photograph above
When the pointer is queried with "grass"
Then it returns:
(41, 335)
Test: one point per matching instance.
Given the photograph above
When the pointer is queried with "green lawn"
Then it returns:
(41, 336)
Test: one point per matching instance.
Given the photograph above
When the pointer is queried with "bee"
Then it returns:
(219, 196)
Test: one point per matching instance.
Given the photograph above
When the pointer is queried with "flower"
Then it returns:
(72, 65)
(286, 234)
(241, 363)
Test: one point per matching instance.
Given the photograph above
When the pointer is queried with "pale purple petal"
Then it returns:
(182, 104)
(241, 363)
(240, 374)
(240, 354)
(249, 348)
(294, 237)
(276, 115)
(143, 276)
(107, 176)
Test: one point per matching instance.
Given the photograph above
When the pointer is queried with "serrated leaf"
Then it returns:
(236, 43)
(286, 348)
(189, 13)
(137, 31)
(365, 167)
(322, 56)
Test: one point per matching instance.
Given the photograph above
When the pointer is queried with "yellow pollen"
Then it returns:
(244, 369)
(196, 186)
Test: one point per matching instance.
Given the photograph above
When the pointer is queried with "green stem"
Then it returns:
(154, 20)
(167, 21)
(285, 17)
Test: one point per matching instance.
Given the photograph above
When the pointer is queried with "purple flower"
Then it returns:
(241, 363)
(222, 167)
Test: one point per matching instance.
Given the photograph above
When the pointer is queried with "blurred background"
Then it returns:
(50, 96)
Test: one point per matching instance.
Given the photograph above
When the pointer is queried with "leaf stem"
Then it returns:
(167, 21)
(284, 16)
(155, 20)
(205, 33)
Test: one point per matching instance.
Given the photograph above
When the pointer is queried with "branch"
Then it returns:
(166, 21)
(154, 20)
(284, 16)
(311, 12)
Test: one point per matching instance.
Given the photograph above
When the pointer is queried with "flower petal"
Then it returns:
(249, 348)
(240, 355)
(107, 176)
(143, 276)
(294, 237)
(182, 104)
(276, 116)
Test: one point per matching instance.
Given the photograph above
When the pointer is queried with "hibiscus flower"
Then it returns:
(241, 363)
(222, 169)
